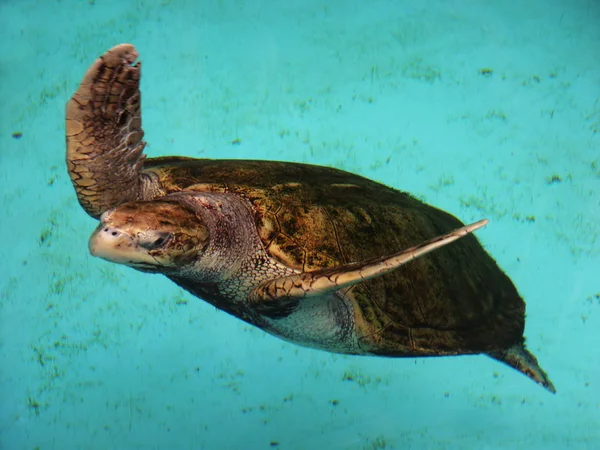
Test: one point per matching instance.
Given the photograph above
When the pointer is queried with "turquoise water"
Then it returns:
(485, 109)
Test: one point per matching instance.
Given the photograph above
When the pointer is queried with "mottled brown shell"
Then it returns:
(454, 300)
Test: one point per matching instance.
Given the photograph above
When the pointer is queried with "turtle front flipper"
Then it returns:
(282, 294)
(104, 132)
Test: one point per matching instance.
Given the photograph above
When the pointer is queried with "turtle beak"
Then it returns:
(114, 244)
(110, 243)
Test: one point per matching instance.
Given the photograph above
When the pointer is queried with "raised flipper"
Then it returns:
(282, 293)
(518, 357)
(104, 132)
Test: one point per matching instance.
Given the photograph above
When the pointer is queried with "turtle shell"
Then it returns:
(453, 300)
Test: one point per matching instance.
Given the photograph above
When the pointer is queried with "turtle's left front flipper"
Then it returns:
(282, 294)
(104, 132)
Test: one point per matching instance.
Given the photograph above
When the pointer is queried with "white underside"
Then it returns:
(317, 324)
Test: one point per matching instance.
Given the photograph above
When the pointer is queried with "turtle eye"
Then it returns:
(155, 240)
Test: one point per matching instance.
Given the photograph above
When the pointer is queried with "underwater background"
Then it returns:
(482, 108)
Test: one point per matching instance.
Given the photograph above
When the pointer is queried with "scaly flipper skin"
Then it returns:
(104, 132)
(280, 291)
(518, 357)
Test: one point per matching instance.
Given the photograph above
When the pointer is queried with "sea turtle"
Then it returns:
(314, 255)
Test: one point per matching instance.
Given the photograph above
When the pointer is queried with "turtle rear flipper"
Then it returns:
(518, 357)
(104, 132)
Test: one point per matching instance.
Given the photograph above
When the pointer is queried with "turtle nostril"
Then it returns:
(112, 231)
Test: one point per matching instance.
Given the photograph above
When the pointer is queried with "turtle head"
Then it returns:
(160, 236)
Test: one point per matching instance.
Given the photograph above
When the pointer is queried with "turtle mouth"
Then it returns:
(115, 245)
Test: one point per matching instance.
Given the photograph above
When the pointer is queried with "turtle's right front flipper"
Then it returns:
(280, 296)
(104, 132)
